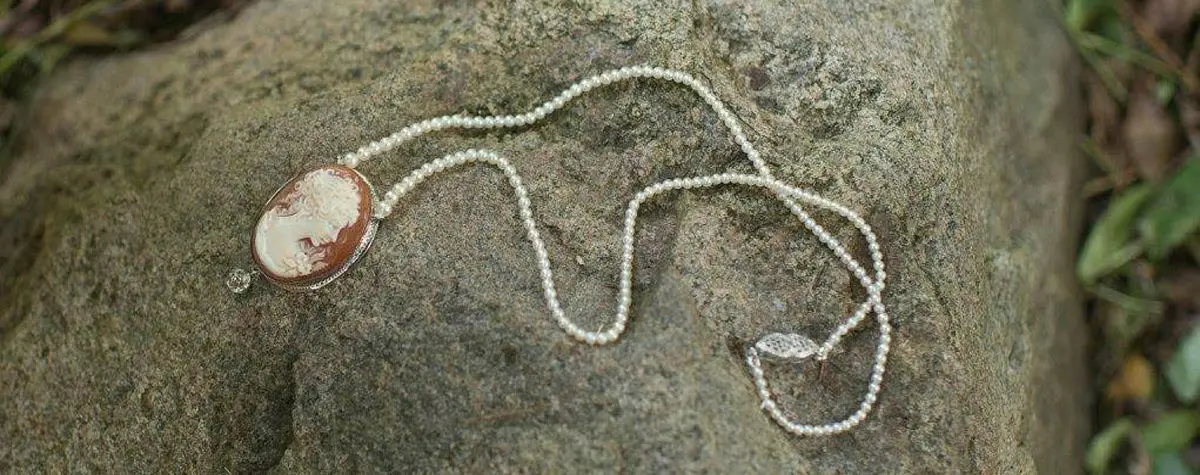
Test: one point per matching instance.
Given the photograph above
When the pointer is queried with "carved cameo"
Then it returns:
(314, 227)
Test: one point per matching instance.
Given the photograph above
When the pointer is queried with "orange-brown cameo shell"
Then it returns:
(314, 227)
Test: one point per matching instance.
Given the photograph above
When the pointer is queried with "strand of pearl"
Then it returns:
(790, 196)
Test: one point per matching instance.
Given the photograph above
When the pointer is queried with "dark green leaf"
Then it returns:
(1172, 432)
(1082, 14)
(1109, 25)
(1171, 463)
(1174, 214)
(1104, 446)
(1111, 243)
(1183, 371)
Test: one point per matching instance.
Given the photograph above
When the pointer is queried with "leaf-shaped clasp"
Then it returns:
(786, 345)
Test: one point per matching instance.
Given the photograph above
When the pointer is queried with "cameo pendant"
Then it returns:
(314, 228)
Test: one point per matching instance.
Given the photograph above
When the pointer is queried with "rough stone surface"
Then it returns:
(950, 125)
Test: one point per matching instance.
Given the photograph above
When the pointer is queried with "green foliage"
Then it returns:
(55, 30)
(1165, 218)
(1171, 463)
(1183, 371)
(1083, 15)
(1139, 251)
(1111, 243)
(1106, 444)
(1175, 212)
(1172, 432)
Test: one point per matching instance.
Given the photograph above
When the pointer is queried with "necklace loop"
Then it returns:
(786, 347)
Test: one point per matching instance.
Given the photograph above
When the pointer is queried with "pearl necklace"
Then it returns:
(307, 238)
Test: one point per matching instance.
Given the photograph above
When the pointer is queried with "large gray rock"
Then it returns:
(950, 126)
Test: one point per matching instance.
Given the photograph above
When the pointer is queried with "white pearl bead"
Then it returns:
(791, 197)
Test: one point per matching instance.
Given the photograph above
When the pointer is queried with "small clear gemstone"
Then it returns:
(238, 281)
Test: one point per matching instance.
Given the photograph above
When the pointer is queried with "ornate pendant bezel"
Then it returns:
(364, 243)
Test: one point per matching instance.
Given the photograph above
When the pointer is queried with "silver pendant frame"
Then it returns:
(363, 244)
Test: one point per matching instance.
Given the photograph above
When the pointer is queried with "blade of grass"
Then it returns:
(20, 50)
(1121, 51)
(1114, 176)
(1097, 186)
(1156, 44)
(1126, 301)
(1107, 76)
(1102, 160)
